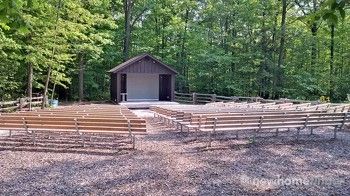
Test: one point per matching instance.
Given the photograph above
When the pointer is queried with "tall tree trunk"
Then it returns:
(331, 64)
(263, 80)
(183, 55)
(53, 91)
(127, 5)
(163, 41)
(30, 84)
(225, 38)
(81, 77)
(157, 32)
(313, 46)
(48, 75)
(314, 30)
(279, 76)
(233, 38)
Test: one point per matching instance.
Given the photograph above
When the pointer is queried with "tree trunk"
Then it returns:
(53, 91)
(163, 39)
(279, 74)
(331, 64)
(263, 79)
(313, 46)
(48, 75)
(81, 77)
(184, 53)
(127, 4)
(314, 40)
(30, 84)
(44, 103)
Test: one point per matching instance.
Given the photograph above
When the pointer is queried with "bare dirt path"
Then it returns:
(170, 163)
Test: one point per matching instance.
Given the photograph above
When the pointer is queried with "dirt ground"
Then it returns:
(167, 162)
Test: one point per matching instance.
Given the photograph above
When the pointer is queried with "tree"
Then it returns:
(279, 74)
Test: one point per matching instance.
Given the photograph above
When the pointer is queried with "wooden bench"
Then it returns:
(193, 120)
(212, 124)
(82, 124)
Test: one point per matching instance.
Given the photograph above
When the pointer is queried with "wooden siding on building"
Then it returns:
(145, 65)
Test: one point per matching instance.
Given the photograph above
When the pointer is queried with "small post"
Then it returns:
(213, 98)
(305, 125)
(335, 132)
(259, 129)
(194, 98)
(131, 135)
(30, 103)
(27, 131)
(344, 120)
(123, 96)
(199, 126)
(129, 128)
(211, 133)
(133, 141)
(33, 137)
(44, 102)
(21, 104)
(340, 127)
(25, 125)
(79, 133)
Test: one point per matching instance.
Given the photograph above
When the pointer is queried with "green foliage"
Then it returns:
(223, 47)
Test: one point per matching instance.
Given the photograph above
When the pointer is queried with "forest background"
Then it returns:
(269, 48)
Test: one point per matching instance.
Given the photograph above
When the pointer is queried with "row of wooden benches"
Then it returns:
(283, 106)
(185, 113)
(106, 120)
(176, 110)
(241, 121)
(255, 106)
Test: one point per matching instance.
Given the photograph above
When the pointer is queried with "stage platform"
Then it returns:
(145, 104)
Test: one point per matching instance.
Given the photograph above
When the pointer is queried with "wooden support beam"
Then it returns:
(211, 133)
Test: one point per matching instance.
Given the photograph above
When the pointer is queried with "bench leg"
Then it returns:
(209, 139)
(311, 131)
(81, 135)
(10, 133)
(277, 130)
(298, 133)
(210, 135)
(171, 124)
(236, 134)
(254, 136)
(335, 132)
(33, 137)
(133, 141)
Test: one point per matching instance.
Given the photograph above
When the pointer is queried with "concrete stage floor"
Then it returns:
(145, 104)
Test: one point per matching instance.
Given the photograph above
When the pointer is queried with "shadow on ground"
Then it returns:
(168, 163)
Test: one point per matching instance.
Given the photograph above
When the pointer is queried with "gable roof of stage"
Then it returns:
(137, 58)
